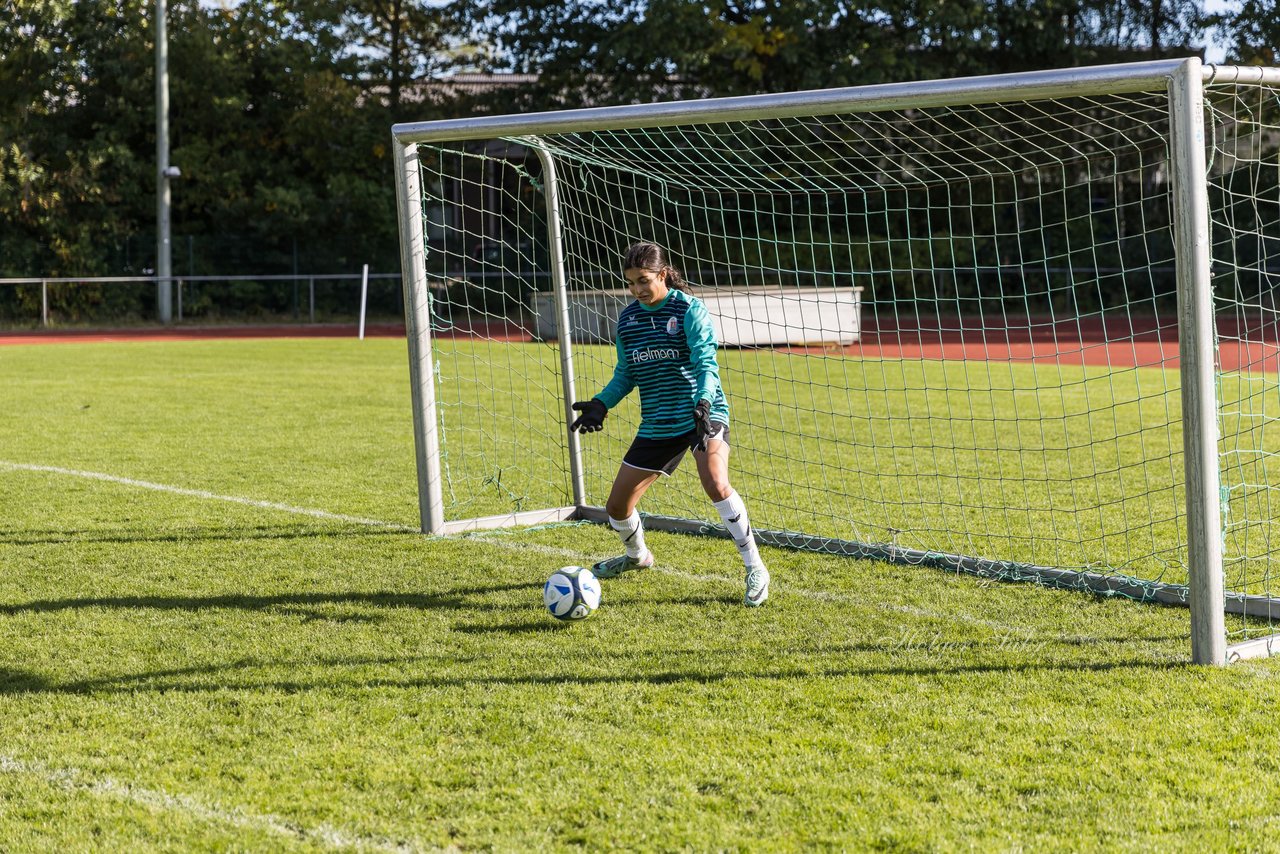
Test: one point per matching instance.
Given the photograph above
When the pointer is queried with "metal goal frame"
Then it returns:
(1182, 79)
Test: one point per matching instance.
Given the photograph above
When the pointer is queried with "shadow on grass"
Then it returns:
(529, 627)
(133, 537)
(466, 598)
(21, 682)
(188, 679)
(696, 600)
(458, 599)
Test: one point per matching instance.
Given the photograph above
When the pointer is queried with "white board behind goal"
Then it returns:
(743, 316)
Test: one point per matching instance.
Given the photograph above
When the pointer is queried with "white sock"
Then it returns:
(734, 514)
(631, 532)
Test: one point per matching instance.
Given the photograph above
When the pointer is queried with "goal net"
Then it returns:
(949, 320)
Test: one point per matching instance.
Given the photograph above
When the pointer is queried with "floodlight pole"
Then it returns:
(164, 261)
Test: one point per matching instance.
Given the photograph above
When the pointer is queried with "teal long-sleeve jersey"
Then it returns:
(668, 351)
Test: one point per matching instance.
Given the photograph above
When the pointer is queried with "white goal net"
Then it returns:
(949, 319)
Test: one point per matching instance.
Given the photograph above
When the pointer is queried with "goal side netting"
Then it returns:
(950, 332)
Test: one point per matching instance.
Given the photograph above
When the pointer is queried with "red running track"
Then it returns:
(1244, 345)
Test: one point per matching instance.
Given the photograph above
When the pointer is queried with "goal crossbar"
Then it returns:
(1120, 78)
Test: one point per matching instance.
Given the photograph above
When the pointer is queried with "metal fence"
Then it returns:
(181, 284)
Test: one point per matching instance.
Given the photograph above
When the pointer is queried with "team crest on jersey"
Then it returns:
(673, 325)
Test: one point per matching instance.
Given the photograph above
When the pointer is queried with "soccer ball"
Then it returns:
(572, 593)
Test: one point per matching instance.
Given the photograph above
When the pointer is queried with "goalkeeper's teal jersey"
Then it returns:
(669, 353)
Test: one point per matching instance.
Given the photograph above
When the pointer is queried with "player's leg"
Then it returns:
(713, 471)
(628, 487)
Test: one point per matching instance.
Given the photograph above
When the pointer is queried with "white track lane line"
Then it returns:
(75, 780)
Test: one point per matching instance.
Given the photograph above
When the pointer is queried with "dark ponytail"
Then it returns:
(650, 256)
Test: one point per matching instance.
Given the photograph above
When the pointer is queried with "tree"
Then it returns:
(1253, 32)
(588, 51)
(270, 125)
(394, 44)
(70, 169)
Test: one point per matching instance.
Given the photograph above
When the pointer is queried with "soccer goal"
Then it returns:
(1022, 326)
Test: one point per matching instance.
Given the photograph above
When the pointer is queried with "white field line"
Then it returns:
(74, 780)
(494, 539)
(211, 496)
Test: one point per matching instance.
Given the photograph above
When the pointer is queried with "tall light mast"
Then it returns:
(164, 260)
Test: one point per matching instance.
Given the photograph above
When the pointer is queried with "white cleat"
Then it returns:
(615, 566)
(757, 587)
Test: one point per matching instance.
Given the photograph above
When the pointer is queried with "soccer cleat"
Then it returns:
(615, 566)
(757, 586)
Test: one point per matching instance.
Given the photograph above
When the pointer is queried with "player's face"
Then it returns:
(648, 286)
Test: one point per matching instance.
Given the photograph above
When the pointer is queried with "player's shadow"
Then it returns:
(30, 537)
(469, 598)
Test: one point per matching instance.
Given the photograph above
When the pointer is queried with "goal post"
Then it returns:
(417, 323)
(1022, 326)
(1196, 347)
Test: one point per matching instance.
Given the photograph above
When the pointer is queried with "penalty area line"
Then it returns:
(209, 496)
(75, 780)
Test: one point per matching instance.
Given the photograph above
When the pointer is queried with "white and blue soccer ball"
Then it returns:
(572, 593)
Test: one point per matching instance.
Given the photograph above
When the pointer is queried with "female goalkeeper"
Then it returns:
(667, 348)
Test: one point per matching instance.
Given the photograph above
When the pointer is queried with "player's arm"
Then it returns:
(621, 384)
(594, 410)
(701, 337)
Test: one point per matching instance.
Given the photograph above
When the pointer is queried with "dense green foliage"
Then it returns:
(281, 111)
(279, 117)
(180, 672)
(646, 50)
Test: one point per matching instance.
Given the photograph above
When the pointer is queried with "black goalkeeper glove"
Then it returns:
(702, 423)
(592, 417)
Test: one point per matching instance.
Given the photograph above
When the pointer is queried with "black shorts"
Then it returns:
(664, 455)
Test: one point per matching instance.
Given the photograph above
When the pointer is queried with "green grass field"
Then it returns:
(233, 642)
